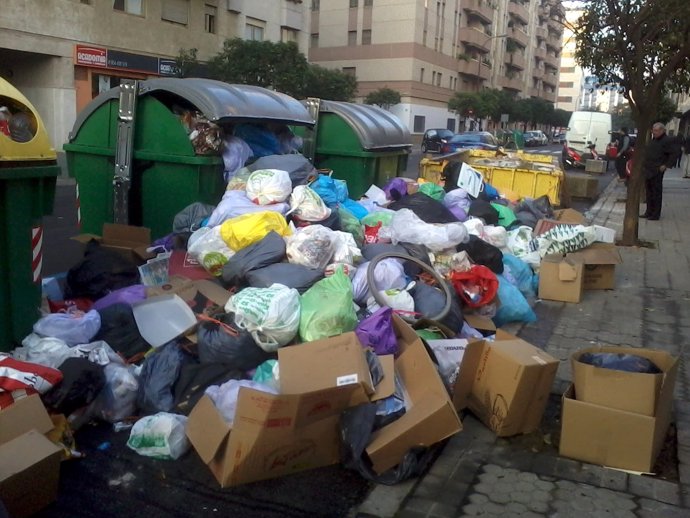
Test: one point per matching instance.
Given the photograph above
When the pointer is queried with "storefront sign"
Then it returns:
(91, 56)
(167, 67)
(115, 59)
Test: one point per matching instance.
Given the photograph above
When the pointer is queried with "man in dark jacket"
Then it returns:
(661, 155)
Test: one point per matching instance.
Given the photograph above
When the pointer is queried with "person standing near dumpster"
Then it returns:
(661, 155)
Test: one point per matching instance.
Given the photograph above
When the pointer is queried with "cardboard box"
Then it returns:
(600, 265)
(581, 186)
(29, 462)
(569, 216)
(506, 384)
(561, 278)
(596, 166)
(127, 240)
(604, 234)
(430, 416)
(629, 391)
(322, 364)
(615, 438)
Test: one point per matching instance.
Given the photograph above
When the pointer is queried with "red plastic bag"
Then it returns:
(371, 233)
(476, 287)
(17, 375)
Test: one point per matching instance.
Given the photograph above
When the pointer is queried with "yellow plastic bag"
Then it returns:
(249, 228)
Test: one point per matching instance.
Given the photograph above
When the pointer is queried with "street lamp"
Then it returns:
(479, 61)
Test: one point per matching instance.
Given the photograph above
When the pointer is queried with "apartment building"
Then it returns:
(62, 53)
(430, 49)
(571, 85)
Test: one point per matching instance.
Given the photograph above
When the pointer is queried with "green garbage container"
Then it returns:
(166, 173)
(28, 172)
(362, 144)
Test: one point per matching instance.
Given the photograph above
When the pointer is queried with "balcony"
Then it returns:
(554, 25)
(537, 73)
(479, 9)
(473, 68)
(519, 36)
(515, 60)
(552, 61)
(533, 92)
(550, 79)
(519, 11)
(475, 38)
(292, 16)
(514, 83)
(541, 32)
(549, 96)
(540, 52)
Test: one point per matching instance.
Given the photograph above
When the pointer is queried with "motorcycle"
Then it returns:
(572, 158)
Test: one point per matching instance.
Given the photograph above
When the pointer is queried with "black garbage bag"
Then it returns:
(99, 272)
(482, 209)
(483, 253)
(189, 219)
(119, 330)
(425, 207)
(531, 210)
(267, 251)
(356, 427)
(158, 376)
(82, 381)
(222, 341)
(193, 380)
(429, 301)
(291, 275)
(621, 362)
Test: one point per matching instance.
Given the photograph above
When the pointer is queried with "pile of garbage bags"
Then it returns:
(296, 260)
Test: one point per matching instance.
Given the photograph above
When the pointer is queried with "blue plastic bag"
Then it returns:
(332, 191)
(520, 274)
(514, 306)
(355, 208)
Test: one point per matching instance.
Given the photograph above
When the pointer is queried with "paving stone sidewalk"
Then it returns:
(478, 474)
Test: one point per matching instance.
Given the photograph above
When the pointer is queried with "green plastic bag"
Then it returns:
(432, 190)
(326, 309)
(268, 374)
(373, 218)
(350, 223)
(506, 216)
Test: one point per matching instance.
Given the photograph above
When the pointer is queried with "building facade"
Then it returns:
(571, 85)
(64, 53)
(430, 49)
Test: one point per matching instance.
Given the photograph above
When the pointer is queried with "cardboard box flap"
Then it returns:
(321, 404)
(598, 253)
(85, 238)
(480, 323)
(468, 368)
(568, 271)
(114, 233)
(23, 451)
(524, 352)
(386, 386)
(569, 216)
(23, 415)
(206, 429)
(427, 422)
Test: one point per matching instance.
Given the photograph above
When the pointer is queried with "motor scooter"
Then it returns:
(572, 158)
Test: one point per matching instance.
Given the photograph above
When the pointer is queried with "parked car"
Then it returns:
(470, 140)
(558, 138)
(535, 138)
(434, 138)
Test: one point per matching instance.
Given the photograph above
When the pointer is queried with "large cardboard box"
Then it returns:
(506, 384)
(561, 278)
(629, 391)
(429, 417)
(596, 166)
(600, 265)
(615, 438)
(127, 240)
(29, 462)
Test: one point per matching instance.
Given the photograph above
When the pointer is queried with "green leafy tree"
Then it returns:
(560, 118)
(186, 62)
(383, 97)
(464, 103)
(331, 84)
(278, 66)
(642, 46)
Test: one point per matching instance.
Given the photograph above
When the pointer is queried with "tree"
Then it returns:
(643, 47)
(383, 97)
(331, 84)
(186, 62)
(278, 66)
(560, 118)
(464, 103)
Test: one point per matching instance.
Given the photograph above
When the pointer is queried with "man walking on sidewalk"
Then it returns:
(661, 155)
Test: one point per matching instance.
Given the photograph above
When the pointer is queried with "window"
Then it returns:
(433, 77)
(421, 75)
(567, 70)
(253, 32)
(354, 3)
(129, 6)
(351, 38)
(450, 83)
(288, 35)
(450, 124)
(565, 99)
(210, 14)
(315, 5)
(438, 79)
(566, 84)
(366, 37)
(314, 40)
(368, 3)
(175, 11)
(419, 123)
(350, 71)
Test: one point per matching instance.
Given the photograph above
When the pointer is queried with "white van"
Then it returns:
(586, 127)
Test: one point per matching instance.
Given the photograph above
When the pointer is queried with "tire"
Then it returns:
(441, 282)
(424, 148)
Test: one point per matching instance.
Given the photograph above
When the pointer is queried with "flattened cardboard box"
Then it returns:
(615, 438)
(570, 216)
(506, 384)
(29, 462)
(561, 278)
(600, 265)
(127, 240)
(628, 391)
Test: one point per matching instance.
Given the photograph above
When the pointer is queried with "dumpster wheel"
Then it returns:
(371, 280)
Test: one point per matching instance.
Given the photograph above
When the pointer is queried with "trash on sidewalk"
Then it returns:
(561, 278)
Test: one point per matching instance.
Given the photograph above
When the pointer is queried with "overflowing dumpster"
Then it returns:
(28, 172)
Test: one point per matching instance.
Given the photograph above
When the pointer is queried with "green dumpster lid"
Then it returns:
(218, 101)
(375, 127)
